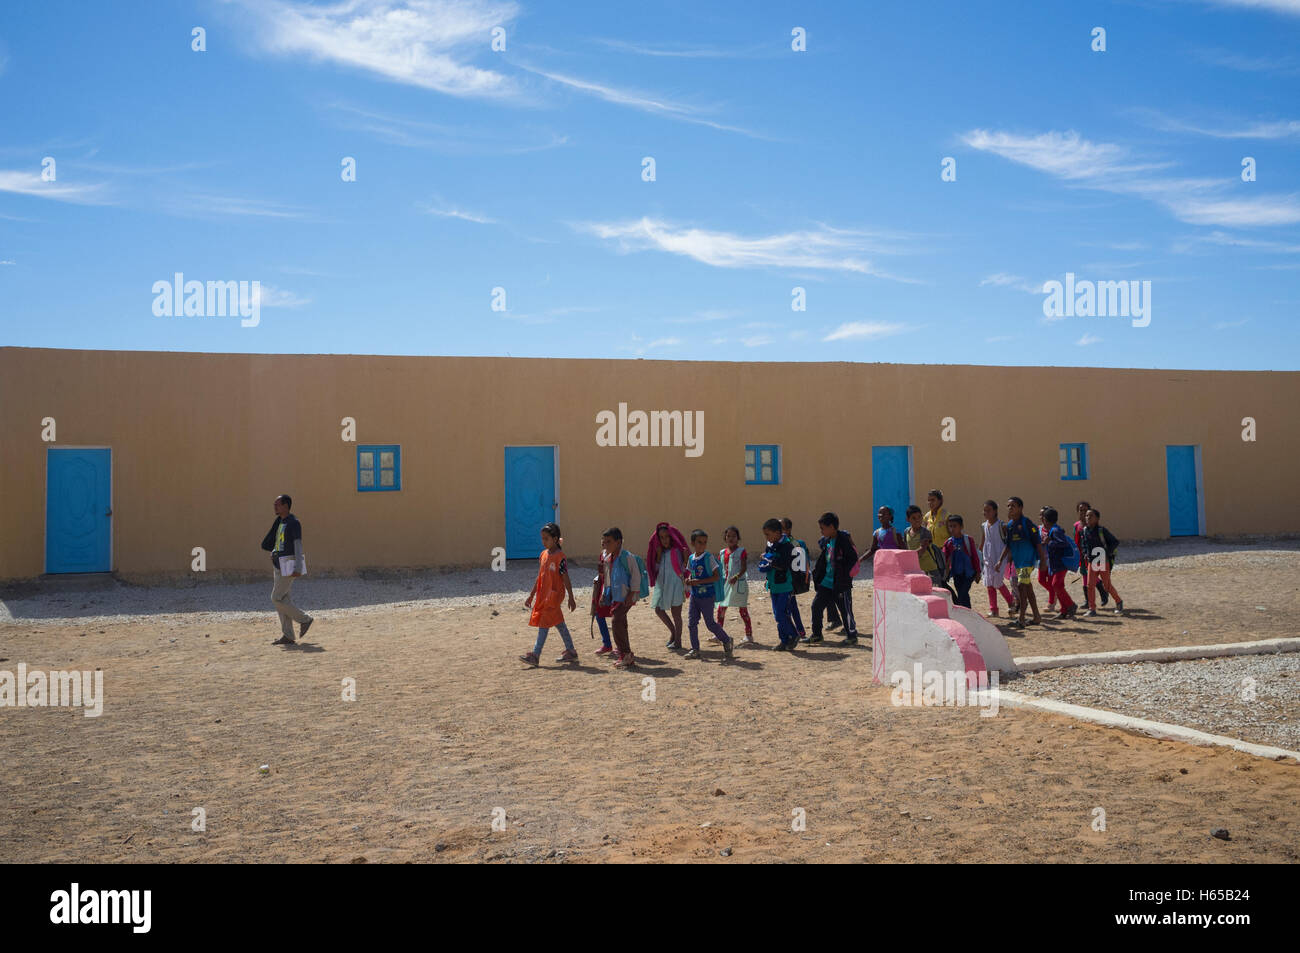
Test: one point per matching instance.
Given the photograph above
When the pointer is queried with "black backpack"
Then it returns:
(799, 577)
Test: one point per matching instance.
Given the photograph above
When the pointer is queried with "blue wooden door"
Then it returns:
(1184, 495)
(530, 498)
(891, 482)
(78, 537)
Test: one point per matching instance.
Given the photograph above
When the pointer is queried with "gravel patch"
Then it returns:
(1208, 694)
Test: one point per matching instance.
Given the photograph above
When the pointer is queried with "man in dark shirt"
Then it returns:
(285, 541)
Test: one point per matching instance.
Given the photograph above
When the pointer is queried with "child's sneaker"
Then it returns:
(528, 658)
(605, 650)
(1090, 613)
(1119, 606)
(727, 648)
(994, 614)
(567, 656)
(626, 661)
(814, 640)
(693, 653)
(832, 626)
(714, 638)
(672, 644)
(849, 640)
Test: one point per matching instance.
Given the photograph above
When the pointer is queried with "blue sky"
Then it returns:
(774, 169)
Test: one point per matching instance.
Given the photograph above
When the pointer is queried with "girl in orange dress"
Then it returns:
(549, 590)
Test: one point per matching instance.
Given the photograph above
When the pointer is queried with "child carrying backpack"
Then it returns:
(1099, 546)
(800, 571)
(962, 559)
(1062, 557)
(706, 584)
(625, 582)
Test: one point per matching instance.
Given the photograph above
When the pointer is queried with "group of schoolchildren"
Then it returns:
(676, 572)
(1009, 550)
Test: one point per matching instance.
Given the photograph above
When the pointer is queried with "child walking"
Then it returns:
(1044, 577)
(599, 611)
(620, 591)
(1058, 548)
(833, 578)
(665, 562)
(776, 564)
(549, 590)
(735, 593)
(1023, 548)
(704, 574)
(1082, 508)
(962, 559)
(992, 547)
(800, 571)
(1098, 549)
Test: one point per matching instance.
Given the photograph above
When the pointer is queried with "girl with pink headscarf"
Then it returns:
(666, 565)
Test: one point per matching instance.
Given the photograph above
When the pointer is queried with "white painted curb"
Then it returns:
(1156, 729)
(1036, 663)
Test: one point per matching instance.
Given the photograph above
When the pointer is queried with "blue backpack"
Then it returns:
(712, 565)
(1071, 558)
(961, 565)
(645, 576)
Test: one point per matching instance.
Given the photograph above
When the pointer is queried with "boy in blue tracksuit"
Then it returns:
(776, 563)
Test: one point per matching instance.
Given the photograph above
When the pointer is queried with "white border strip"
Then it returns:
(1156, 729)
(1036, 663)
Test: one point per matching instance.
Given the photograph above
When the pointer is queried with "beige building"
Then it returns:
(129, 461)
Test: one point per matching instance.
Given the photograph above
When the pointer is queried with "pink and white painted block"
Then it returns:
(915, 623)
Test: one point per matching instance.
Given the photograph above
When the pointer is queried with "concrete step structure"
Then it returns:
(916, 624)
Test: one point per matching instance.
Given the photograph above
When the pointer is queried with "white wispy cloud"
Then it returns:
(424, 43)
(677, 51)
(478, 139)
(1238, 213)
(820, 249)
(236, 205)
(1223, 239)
(708, 314)
(639, 345)
(1004, 280)
(1230, 59)
(1258, 129)
(864, 330)
(8, 262)
(1289, 7)
(758, 340)
(645, 102)
(22, 182)
(444, 212)
(1088, 339)
(1225, 325)
(269, 296)
(1064, 154)
(1109, 167)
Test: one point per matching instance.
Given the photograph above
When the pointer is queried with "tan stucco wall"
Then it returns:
(203, 442)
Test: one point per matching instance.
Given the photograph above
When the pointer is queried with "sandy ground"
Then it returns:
(449, 730)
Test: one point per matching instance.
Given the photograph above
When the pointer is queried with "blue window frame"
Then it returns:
(1074, 461)
(379, 468)
(762, 464)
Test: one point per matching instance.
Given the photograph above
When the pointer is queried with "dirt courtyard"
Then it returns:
(773, 757)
